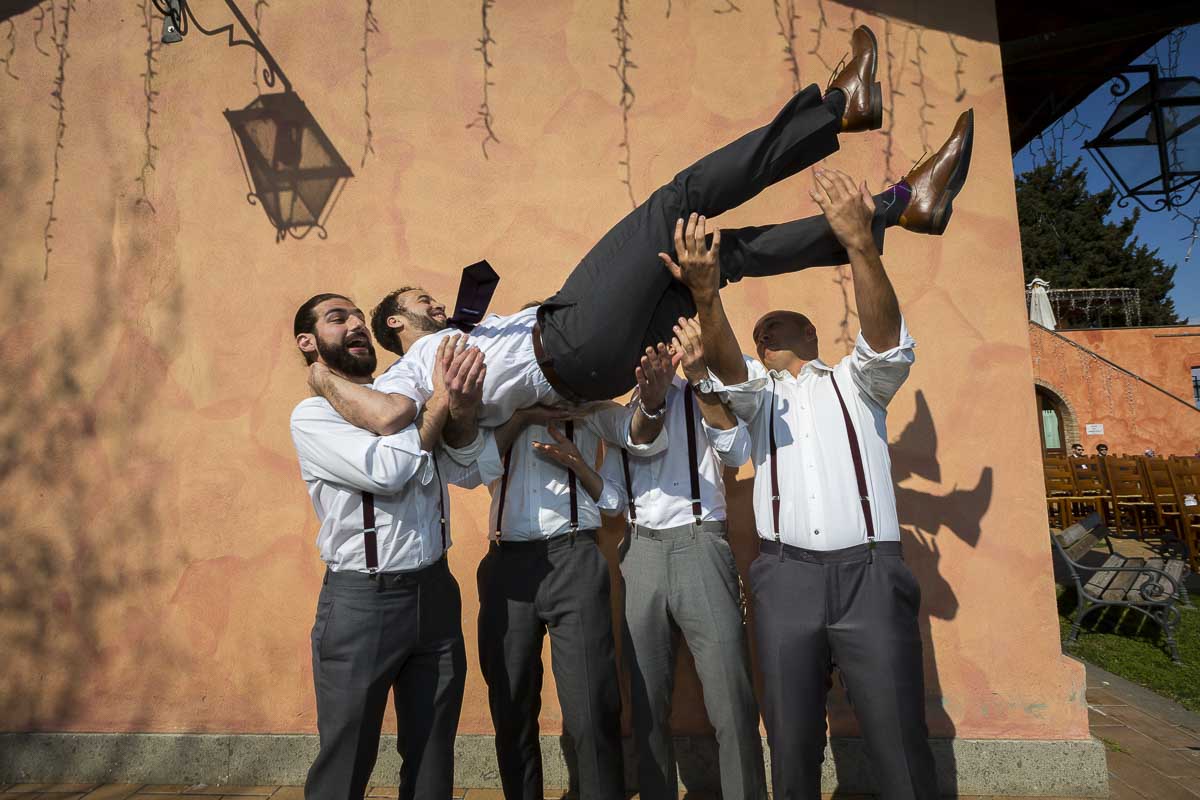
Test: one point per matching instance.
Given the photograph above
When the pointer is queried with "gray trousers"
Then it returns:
(684, 581)
(399, 632)
(858, 607)
(560, 586)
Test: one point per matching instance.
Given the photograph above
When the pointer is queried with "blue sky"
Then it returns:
(1161, 230)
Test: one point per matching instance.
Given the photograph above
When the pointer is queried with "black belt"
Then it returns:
(382, 579)
(533, 546)
(855, 553)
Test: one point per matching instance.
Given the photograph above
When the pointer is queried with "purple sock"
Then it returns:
(892, 201)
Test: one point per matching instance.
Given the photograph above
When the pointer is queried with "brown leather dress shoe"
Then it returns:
(864, 99)
(936, 181)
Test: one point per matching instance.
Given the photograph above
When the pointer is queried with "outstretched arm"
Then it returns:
(653, 375)
(567, 454)
(849, 209)
(699, 270)
(362, 406)
(688, 343)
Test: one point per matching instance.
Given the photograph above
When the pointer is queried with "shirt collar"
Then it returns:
(812, 367)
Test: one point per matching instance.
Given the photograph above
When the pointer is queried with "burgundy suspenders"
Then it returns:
(860, 473)
(693, 466)
(571, 483)
(693, 463)
(503, 494)
(629, 486)
(368, 510)
(774, 472)
(368, 503)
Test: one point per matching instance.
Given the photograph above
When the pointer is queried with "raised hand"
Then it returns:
(563, 451)
(699, 266)
(447, 348)
(847, 208)
(689, 349)
(318, 377)
(654, 375)
(464, 380)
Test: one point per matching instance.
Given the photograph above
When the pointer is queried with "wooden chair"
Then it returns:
(1161, 487)
(1185, 476)
(1151, 586)
(1129, 492)
(1060, 489)
(1090, 486)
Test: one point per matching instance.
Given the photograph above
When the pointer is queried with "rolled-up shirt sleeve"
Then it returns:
(880, 375)
(745, 399)
(462, 466)
(332, 449)
(732, 446)
(613, 497)
(613, 423)
(469, 453)
(490, 463)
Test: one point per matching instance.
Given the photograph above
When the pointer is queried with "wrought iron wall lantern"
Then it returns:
(291, 167)
(1150, 146)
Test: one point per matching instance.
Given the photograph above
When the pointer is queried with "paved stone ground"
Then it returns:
(1152, 744)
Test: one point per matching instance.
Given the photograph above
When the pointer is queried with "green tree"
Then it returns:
(1069, 242)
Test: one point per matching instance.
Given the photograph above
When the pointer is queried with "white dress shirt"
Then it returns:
(514, 380)
(537, 503)
(339, 462)
(819, 503)
(662, 483)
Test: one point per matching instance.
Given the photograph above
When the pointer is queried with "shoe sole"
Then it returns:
(876, 90)
(941, 217)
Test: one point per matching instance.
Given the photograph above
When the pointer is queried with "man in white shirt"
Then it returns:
(544, 573)
(582, 343)
(680, 579)
(830, 583)
(389, 614)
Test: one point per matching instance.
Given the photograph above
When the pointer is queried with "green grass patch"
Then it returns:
(1124, 642)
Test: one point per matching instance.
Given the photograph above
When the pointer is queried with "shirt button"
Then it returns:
(816, 531)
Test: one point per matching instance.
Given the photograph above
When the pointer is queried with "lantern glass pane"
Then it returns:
(1134, 104)
(1135, 165)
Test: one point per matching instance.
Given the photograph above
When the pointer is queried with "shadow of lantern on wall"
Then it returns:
(292, 168)
(1150, 147)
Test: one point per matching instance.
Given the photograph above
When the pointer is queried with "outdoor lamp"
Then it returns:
(291, 167)
(1150, 146)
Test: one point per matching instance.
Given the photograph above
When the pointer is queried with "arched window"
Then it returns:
(1051, 412)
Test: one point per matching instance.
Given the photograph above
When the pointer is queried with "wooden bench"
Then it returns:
(1151, 586)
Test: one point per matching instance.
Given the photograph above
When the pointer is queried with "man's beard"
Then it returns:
(339, 358)
(424, 323)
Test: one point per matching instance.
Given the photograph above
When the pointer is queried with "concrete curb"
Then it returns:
(968, 766)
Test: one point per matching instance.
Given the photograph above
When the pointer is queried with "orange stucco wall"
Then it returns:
(1163, 356)
(161, 573)
(1135, 415)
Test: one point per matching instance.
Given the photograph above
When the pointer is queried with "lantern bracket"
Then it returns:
(185, 17)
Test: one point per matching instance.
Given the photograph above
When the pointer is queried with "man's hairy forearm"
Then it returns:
(363, 407)
(716, 413)
(642, 429)
(432, 421)
(878, 308)
(461, 427)
(721, 349)
(591, 481)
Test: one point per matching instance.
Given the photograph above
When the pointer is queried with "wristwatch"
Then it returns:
(703, 386)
